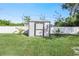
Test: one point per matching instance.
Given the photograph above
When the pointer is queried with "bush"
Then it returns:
(26, 32)
(57, 33)
(8, 23)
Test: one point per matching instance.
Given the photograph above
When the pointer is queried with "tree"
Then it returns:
(71, 7)
(4, 22)
(26, 19)
(76, 22)
(68, 21)
(59, 23)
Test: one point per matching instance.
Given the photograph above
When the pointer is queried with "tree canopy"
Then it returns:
(27, 18)
(73, 19)
(4, 22)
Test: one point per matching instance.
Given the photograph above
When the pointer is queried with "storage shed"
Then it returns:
(39, 28)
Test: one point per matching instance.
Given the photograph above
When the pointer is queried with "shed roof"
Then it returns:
(40, 21)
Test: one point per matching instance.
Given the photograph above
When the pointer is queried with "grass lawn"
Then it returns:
(20, 45)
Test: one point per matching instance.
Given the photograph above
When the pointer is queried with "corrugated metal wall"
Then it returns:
(11, 29)
(63, 30)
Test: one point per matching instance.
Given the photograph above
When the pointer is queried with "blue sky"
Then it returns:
(15, 12)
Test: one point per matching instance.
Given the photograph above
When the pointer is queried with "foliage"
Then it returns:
(26, 19)
(59, 23)
(4, 22)
(69, 21)
(26, 32)
(71, 7)
(73, 19)
(58, 31)
(20, 45)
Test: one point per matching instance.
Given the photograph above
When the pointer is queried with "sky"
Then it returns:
(15, 11)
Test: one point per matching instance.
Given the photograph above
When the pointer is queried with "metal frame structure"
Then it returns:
(41, 22)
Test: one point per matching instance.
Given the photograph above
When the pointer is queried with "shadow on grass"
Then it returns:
(59, 36)
(54, 36)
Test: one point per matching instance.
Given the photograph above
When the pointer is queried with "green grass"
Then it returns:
(20, 45)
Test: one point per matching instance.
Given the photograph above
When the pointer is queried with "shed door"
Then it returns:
(46, 29)
(39, 27)
(31, 30)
